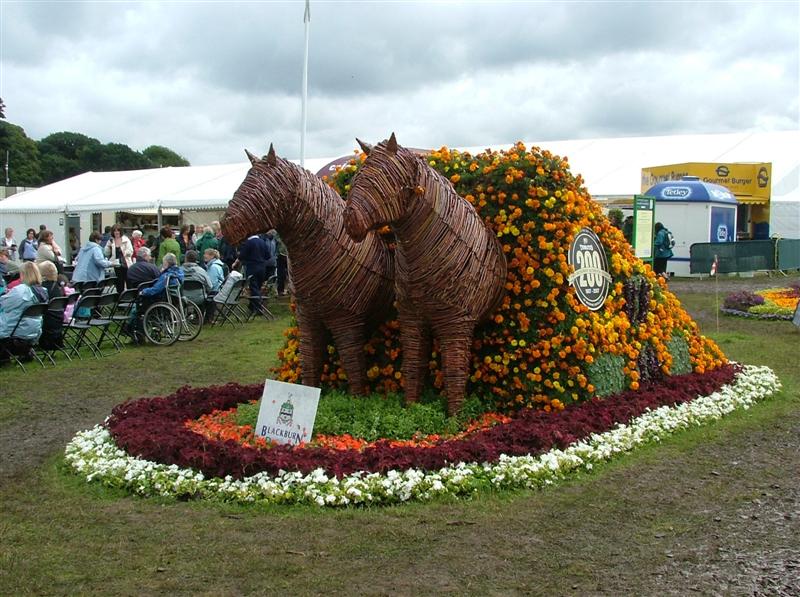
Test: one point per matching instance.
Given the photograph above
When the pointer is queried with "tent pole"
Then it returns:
(160, 220)
(67, 248)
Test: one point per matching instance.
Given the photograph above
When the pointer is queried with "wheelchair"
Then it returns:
(172, 319)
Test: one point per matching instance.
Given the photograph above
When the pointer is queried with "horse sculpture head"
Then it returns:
(263, 199)
(380, 192)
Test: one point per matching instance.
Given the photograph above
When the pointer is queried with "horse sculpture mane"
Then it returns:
(337, 284)
(450, 268)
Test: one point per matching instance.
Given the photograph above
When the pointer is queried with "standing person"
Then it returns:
(168, 244)
(185, 241)
(272, 245)
(46, 251)
(663, 249)
(8, 242)
(91, 265)
(138, 241)
(627, 229)
(119, 248)
(207, 241)
(283, 266)
(106, 237)
(29, 246)
(254, 255)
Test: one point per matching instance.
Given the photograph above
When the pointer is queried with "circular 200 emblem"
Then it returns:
(589, 276)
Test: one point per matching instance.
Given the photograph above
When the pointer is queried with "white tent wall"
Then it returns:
(784, 219)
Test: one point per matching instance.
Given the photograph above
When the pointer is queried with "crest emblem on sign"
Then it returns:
(590, 276)
(286, 413)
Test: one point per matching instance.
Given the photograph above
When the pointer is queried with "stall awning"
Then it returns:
(752, 200)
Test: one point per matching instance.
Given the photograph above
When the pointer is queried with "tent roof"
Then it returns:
(609, 167)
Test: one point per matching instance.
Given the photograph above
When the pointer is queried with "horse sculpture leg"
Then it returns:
(415, 340)
(455, 341)
(349, 335)
(312, 347)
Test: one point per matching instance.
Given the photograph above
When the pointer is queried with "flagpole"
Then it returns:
(307, 21)
(714, 267)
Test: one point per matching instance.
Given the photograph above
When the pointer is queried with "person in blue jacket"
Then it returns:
(14, 302)
(169, 271)
(92, 264)
(254, 255)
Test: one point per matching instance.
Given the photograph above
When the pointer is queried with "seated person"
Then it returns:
(153, 294)
(215, 269)
(53, 325)
(156, 292)
(6, 265)
(193, 271)
(50, 280)
(14, 302)
(143, 270)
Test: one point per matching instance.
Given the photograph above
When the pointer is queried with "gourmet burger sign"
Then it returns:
(590, 276)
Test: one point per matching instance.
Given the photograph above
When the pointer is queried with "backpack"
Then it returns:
(670, 239)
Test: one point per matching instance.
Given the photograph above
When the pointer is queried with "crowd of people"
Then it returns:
(35, 270)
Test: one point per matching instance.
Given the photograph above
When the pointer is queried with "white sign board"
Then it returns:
(287, 412)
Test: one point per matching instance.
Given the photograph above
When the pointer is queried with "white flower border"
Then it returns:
(94, 455)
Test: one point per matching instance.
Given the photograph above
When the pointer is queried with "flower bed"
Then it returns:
(772, 303)
(534, 449)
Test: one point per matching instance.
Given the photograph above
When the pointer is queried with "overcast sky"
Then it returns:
(210, 78)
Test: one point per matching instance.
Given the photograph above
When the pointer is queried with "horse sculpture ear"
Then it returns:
(365, 147)
(271, 158)
(253, 159)
(391, 146)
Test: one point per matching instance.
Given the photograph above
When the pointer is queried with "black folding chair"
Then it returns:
(122, 312)
(102, 321)
(75, 331)
(261, 308)
(14, 346)
(226, 307)
(49, 344)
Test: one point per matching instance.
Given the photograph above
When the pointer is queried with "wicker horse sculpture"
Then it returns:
(338, 284)
(450, 270)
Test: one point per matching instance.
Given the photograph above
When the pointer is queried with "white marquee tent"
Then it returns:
(610, 168)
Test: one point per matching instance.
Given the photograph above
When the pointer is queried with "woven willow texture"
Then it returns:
(450, 269)
(338, 284)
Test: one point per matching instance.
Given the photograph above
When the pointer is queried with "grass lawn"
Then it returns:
(714, 510)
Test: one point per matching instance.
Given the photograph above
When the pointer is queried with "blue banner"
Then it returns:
(723, 225)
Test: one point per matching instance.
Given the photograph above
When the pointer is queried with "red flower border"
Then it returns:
(154, 429)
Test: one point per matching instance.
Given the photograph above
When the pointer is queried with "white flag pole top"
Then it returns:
(306, 20)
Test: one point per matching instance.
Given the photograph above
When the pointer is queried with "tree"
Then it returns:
(2, 109)
(161, 156)
(61, 155)
(112, 157)
(23, 156)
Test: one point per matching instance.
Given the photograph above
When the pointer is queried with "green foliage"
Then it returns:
(67, 154)
(160, 156)
(679, 351)
(377, 416)
(606, 374)
(615, 217)
(771, 308)
(25, 169)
